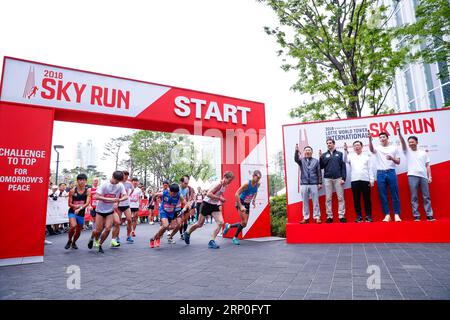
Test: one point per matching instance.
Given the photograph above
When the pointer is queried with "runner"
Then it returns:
(94, 202)
(109, 194)
(135, 203)
(199, 200)
(159, 200)
(188, 194)
(172, 202)
(151, 206)
(210, 207)
(123, 207)
(79, 199)
(245, 195)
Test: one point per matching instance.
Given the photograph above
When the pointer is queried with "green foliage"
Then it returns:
(429, 30)
(67, 175)
(167, 156)
(342, 52)
(276, 183)
(278, 217)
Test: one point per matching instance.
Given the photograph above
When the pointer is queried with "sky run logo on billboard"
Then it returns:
(408, 126)
(53, 87)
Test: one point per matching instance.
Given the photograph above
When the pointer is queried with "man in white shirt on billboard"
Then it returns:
(387, 158)
(419, 175)
(362, 179)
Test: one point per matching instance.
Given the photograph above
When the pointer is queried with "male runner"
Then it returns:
(79, 199)
(109, 194)
(94, 202)
(135, 203)
(188, 194)
(151, 206)
(123, 207)
(245, 195)
(210, 207)
(198, 202)
(172, 202)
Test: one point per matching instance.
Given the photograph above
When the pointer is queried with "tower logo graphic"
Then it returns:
(30, 89)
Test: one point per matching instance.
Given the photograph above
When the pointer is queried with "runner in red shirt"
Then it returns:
(94, 201)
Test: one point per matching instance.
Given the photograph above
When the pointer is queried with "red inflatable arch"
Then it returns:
(33, 95)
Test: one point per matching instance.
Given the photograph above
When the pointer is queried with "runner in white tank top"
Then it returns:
(210, 206)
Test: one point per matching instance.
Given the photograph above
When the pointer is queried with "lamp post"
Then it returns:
(56, 147)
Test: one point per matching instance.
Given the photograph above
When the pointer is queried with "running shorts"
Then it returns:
(166, 215)
(246, 206)
(134, 210)
(80, 220)
(104, 215)
(208, 208)
(123, 208)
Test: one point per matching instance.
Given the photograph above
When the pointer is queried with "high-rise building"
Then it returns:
(417, 86)
(85, 155)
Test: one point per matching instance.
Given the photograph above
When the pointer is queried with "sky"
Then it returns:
(216, 46)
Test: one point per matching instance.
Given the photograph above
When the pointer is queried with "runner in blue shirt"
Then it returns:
(245, 195)
(172, 203)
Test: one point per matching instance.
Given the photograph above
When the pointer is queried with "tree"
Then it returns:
(431, 32)
(276, 180)
(91, 171)
(112, 149)
(342, 52)
(166, 156)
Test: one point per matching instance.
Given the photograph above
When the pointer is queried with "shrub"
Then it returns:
(278, 216)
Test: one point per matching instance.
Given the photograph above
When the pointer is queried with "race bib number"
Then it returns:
(248, 198)
(168, 208)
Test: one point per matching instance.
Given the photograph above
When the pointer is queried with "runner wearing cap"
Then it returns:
(245, 196)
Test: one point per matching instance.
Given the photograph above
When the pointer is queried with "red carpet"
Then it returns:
(352, 232)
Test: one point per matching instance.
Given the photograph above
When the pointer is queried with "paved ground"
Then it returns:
(255, 270)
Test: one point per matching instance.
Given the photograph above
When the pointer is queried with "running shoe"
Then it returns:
(67, 247)
(430, 218)
(91, 243)
(118, 240)
(236, 241)
(133, 234)
(152, 243)
(182, 236)
(157, 243)
(100, 249)
(96, 243)
(114, 243)
(213, 245)
(130, 240)
(187, 238)
(151, 222)
(227, 227)
(74, 246)
(171, 241)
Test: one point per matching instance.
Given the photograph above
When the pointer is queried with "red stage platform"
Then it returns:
(352, 232)
(378, 231)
